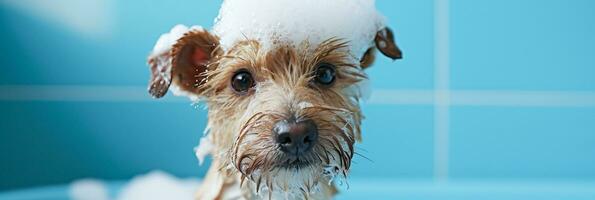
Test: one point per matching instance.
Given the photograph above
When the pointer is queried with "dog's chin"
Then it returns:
(296, 163)
(281, 175)
(298, 180)
(294, 178)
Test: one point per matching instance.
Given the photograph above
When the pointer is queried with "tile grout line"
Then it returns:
(80, 93)
(509, 98)
(441, 90)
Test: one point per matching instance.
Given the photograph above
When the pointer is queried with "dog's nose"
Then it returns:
(295, 138)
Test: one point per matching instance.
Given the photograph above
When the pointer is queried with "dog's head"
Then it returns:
(283, 109)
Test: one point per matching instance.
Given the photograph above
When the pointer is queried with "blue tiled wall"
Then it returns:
(494, 46)
(522, 45)
(413, 24)
(507, 142)
(397, 142)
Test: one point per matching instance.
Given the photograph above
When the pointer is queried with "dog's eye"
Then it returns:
(242, 81)
(325, 74)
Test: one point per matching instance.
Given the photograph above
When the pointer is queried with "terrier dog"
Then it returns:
(283, 106)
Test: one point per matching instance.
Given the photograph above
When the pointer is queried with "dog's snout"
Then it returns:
(295, 138)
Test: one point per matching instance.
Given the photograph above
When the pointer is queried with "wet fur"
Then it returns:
(247, 164)
(241, 124)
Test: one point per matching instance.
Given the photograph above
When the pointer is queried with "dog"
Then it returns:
(282, 81)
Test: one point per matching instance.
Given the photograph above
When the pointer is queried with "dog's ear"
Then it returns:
(184, 64)
(385, 43)
(368, 58)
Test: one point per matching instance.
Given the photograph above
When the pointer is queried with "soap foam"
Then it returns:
(167, 40)
(159, 185)
(88, 189)
(292, 22)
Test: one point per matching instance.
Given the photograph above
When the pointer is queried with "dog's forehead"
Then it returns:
(278, 62)
(290, 22)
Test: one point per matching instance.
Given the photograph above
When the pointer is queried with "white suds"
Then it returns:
(167, 40)
(156, 185)
(88, 189)
(204, 148)
(159, 185)
(288, 21)
(304, 104)
(334, 173)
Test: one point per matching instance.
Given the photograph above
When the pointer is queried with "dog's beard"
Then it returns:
(269, 170)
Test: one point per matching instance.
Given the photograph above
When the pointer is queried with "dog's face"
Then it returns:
(291, 113)
(284, 118)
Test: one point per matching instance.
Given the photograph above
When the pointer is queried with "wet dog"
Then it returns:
(283, 109)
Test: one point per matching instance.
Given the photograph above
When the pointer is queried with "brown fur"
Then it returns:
(385, 42)
(368, 58)
(245, 155)
(285, 79)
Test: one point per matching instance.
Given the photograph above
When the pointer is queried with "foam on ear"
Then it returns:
(167, 40)
(179, 59)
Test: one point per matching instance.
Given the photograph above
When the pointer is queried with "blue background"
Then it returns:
(506, 45)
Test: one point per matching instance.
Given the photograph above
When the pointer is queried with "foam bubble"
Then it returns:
(159, 185)
(204, 148)
(293, 22)
(167, 40)
(88, 189)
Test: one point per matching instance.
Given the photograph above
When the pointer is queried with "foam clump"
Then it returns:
(204, 148)
(159, 185)
(333, 173)
(156, 185)
(292, 22)
(167, 40)
(88, 189)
